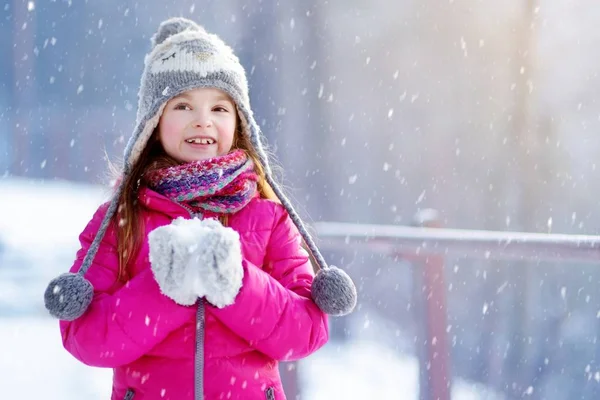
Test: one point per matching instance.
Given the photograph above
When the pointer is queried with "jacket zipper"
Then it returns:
(189, 210)
(129, 395)
(270, 393)
(199, 357)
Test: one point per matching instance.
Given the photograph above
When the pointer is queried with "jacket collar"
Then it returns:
(160, 203)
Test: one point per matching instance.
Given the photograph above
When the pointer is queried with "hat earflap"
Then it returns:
(69, 295)
(332, 289)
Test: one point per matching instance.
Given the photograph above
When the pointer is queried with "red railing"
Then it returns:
(427, 244)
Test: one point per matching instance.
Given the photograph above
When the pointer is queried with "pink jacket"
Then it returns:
(151, 342)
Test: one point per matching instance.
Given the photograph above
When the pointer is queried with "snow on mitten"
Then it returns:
(215, 267)
(171, 247)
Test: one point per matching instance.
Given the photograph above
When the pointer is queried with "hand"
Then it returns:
(169, 256)
(197, 258)
(215, 267)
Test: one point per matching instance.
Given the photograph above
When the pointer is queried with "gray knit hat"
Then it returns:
(183, 57)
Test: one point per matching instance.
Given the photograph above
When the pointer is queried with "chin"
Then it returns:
(187, 158)
(202, 157)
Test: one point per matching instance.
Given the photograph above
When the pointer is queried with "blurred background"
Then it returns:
(487, 112)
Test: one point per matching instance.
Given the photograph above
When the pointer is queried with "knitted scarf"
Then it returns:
(223, 184)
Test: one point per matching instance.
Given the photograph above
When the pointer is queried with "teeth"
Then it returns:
(200, 141)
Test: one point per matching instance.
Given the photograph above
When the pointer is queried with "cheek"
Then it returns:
(231, 128)
(168, 129)
(227, 132)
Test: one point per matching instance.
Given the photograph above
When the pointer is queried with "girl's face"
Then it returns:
(197, 125)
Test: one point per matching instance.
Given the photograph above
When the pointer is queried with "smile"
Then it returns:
(200, 141)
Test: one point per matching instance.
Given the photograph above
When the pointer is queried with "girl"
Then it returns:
(192, 282)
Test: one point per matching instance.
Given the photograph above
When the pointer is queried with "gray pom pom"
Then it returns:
(334, 292)
(172, 27)
(68, 296)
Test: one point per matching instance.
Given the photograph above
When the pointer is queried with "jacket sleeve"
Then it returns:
(123, 324)
(273, 310)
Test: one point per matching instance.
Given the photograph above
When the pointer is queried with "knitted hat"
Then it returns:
(183, 57)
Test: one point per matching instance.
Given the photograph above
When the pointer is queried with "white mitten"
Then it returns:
(197, 258)
(169, 257)
(215, 268)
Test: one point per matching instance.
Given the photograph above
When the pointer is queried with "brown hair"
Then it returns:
(131, 229)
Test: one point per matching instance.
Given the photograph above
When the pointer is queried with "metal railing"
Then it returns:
(468, 243)
(427, 244)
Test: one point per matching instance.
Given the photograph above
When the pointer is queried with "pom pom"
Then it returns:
(68, 296)
(334, 292)
(172, 27)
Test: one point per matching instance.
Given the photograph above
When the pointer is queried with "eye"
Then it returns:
(168, 57)
(182, 106)
(220, 109)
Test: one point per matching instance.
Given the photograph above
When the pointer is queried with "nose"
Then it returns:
(202, 120)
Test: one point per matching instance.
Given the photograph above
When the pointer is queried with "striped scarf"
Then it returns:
(223, 184)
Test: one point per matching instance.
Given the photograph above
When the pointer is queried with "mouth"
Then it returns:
(203, 141)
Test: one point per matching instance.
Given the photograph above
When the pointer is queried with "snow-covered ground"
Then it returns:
(39, 226)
